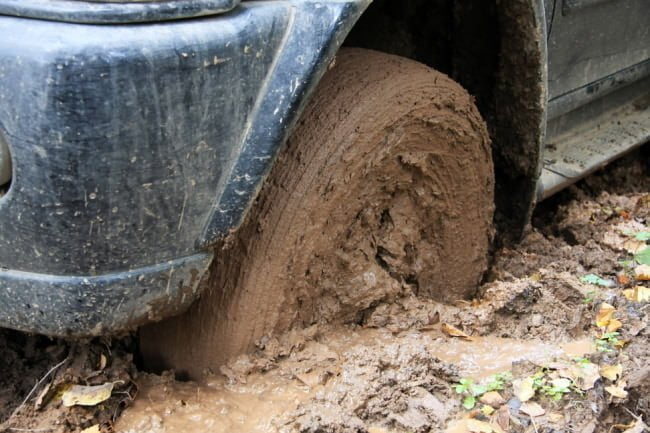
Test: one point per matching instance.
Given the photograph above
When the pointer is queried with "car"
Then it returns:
(289, 161)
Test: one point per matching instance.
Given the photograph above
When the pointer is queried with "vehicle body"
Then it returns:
(139, 133)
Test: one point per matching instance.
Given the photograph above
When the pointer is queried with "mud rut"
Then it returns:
(395, 370)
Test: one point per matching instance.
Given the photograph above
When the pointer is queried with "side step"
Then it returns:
(591, 145)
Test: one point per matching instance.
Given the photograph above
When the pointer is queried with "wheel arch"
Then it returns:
(495, 49)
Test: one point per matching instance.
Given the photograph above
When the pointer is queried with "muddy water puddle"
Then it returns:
(167, 406)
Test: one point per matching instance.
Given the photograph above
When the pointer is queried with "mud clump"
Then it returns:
(400, 386)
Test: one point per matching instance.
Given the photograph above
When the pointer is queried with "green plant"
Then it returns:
(589, 298)
(608, 341)
(470, 392)
(556, 388)
(497, 382)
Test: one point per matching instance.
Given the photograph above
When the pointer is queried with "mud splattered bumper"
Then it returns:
(135, 147)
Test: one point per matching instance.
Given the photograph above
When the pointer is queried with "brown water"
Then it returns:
(167, 406)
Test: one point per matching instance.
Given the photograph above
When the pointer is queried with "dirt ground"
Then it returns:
(556, 340)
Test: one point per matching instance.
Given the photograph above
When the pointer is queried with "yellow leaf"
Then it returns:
(523, 388)
(611, 372)
(87, 395)
(614, 325)
(604, 315)
(92, 429)
(454, 332)
(532, 409)
(487, 410)
(629, 294)
(616, 391)
(634, 246)
(642, 273)
(637, 294)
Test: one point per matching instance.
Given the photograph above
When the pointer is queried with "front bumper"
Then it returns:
(135, 147)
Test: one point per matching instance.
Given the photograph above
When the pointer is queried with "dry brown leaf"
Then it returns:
(533, 409)
(503, 417)
(611, 372)
(584, 375)
(605, 314)
(523, 388)
(617, 391)
(642, 273)
(79, 395)
(492, 398)
(454, 332)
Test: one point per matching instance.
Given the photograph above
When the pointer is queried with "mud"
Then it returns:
(35, 371)
(388, 168)
(394, 370)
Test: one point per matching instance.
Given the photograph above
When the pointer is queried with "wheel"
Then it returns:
(385, 188)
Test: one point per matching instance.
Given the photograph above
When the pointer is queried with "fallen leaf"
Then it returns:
(642, 272)
(532, 409)
(503, 417)
(476, 426)
(604, 315)
(616, 391)
(454, 332)
(614, 325)
(611, 372)
(623, 279)
(555, 417)
(487, 410)
(79, 395)
(92, 429)
(584, 374)
(596, 280)
(634, 246)
(492, 398)
(523, 388)
(643, 258)
(102, 361)
(42, 397)
(638, 427)
(641, 294)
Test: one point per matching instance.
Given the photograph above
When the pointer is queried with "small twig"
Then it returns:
(31, 393)
(534, 425)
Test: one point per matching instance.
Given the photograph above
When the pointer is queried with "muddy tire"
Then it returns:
(385, 188)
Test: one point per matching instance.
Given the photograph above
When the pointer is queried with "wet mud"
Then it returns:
(384, 190)
(398, 366)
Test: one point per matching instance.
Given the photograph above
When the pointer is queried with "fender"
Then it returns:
(135, 147)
